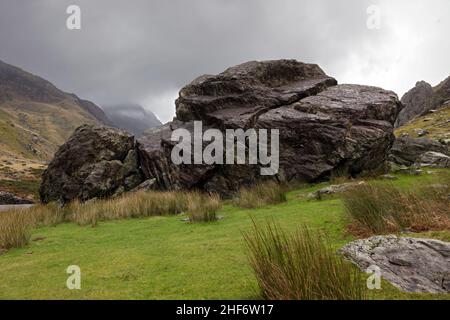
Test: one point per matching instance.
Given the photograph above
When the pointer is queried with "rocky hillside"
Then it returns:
(422, 99)
(324, 128)
(36, 117)
(433, 125)
(131, 118)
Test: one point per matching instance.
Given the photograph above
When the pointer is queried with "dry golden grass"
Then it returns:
(15, 229)
(202, 207)
(300, 266)
(261, 194)
(379, 209)
(15, 226)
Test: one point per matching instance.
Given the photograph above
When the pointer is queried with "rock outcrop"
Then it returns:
(433, 160)
(412, 265)
(417, 102)
(323, 127)
(422, 99)
(407, 151)
(7, 198)
(97, 161)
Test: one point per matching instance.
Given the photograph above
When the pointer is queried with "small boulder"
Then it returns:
(335, 188)
(7, 198)
(433, 159)
(410, 264)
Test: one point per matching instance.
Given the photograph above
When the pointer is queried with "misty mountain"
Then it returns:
(36, 117)
(132, 118)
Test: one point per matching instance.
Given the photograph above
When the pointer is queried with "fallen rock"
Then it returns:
(147, 185)
(421, 132)
(433, 159)
(96, 162)
(410, 264)
(406, 151)
(388, 177)
(334, 188)
(7, 198)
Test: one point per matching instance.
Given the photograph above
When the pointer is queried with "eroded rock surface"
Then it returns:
(410, 264)
(406, 151)
(418, 101)
(433, 160)
(324, 127)
(96, 161)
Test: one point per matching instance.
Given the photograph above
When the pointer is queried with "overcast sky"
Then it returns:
(144, 51)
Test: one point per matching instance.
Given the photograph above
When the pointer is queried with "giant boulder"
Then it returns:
(324, 127)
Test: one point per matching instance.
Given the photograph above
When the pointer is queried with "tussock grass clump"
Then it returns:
(133, 205)
(261, 194)
(378, 208)
(300, 266)
(203, 207)
(15, 229)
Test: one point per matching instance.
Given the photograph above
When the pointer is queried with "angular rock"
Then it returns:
(7, 198)
(406, 151)
(237, 96)
(323, 128)
(346, 127)
(433, 159)
(410, 264)
(95, 162)
(417, 101)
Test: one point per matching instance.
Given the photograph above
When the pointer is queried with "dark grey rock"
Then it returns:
(95, 162)
(417, 101)
(406, 151)
(7, 198)
(324, 128)
(433, 159)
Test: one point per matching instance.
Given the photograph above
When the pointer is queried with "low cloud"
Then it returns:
(145, 51)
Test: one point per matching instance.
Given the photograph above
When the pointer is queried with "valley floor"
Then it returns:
(166, 258)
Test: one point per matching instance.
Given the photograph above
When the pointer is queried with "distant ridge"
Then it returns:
(132, 118)
(36, 117)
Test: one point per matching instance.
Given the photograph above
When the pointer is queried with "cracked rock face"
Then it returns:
(418, 101)
(406, 151)
(96, 161)
(324, 127)
(410, 264)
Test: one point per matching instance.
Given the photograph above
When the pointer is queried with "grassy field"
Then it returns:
(166, 258)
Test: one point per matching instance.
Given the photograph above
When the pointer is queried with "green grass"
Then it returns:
(165, 258)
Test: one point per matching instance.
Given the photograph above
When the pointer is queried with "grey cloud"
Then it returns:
(145, 51)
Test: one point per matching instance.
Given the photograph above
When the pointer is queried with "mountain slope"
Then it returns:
(36, 117)
(132, 118)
